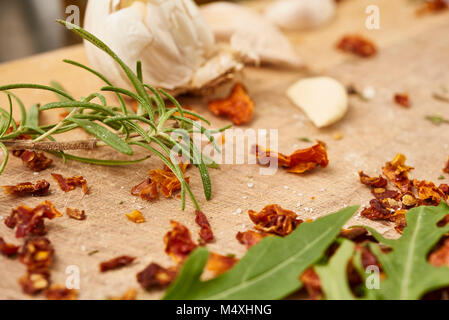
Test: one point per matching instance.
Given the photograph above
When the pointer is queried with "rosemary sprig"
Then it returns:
(113, 126)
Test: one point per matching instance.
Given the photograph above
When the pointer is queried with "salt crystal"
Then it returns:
(298, 204)
(286, 187)
(250, 185)
(369, 93)
(83, 248)
(36, 173)
(245, 197)
(239, 211)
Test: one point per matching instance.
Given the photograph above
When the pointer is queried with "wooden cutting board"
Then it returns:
(413, 58)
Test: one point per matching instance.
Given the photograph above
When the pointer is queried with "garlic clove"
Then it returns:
(250, 34)
(170, 37)
(300, 14)
(323, 99)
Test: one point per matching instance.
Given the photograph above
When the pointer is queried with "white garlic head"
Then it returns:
(300, 14)
(170, 37)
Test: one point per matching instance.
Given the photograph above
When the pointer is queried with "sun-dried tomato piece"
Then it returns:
(7, 249)
(312, 283)
(432, 6)
(402, 99)
(440, 257)
(136, 216)
(34, 283)
(76, 214)
(219, 264)
(116, 263)
(27, 220)
(429, 193)
(374, 182)
(178, 242)
(298, 162)
(129, 295)
(33, 160)
(397, 172)
(275, 220)
(238, 106)
(249, 238)
(399, 220)
(69, 184)
(154, 276)
(356, 235)
(358, 45)
(206, 234)
(59, 292)
(446, 167)
(167, 181)
(444, 188)
(27, 188)
(382, 194)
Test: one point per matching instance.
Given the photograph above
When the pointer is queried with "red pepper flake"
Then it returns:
(61, 293)
(432, 6)
(429, 193)
(129, 295)
(249, 238)
(379, 182)
(69, 184)
(299, 162)
(238, 106)
(397, 172)
(206, 234)
(116, 263)
(440, 257)
(357, 45)
(37, 255)
(35, 161)
(178, 242)
(357, 235)
(147, 190)
(28, 220)
(27, 188)
(155, 277)
(312, 283)
(402, 99)
(76, 214)
(7, 249)
(446, 167)
(445, 189)
(275, 220)
(219, 264)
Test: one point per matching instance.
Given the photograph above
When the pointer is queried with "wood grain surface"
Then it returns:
(413, 58)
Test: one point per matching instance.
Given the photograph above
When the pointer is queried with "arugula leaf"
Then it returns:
(333, 276)
(409, 275)
(270, 269)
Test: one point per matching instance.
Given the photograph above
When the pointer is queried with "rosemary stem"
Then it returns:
(52, 145)
(55, 128)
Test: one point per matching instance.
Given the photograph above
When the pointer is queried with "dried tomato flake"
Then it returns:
(27, 220)
(299, 162)
(33, 160)
(357, 45)
(312, 283)
(27, 188)
(116, 263)
(206, 234)
(219, 264)
(238, 106)
(429, 193)
(374, 182)
(129, 295)
(136, 216)
(376, 211)
(155, 276)
(59, 292)
(178, 242)
(440, 257)
(34, 283)
(446, 167)
(7, 249)
(249, 238)
(433, 6)
(275, 220)
(76, 214)
(402, 99)
(397, 172)
(147, 190)
(69, 184)
(37, 254)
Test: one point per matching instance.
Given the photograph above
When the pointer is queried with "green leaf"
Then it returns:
(59, 87)
(333, 276)
(33, 117)
(409, 275)
(270, 269)
(100, 162)
(104, 135)
(5, 159)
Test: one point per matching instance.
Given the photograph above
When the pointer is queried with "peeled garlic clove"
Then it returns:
(323, 99)
(255, 38)
(300, 14)
(170, 38)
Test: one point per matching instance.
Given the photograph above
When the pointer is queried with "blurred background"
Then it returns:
(28, 27)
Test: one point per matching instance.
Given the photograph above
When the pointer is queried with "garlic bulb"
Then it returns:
(300, 14)
(250, 34)
(170, 37)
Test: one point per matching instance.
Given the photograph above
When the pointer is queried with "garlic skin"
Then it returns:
(300, 14)
(323, 99)
(170, 37)
(250, 34)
